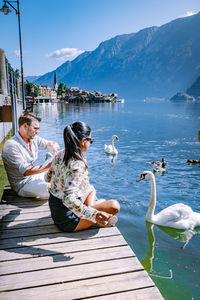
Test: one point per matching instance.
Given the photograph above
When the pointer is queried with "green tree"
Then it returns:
(29, 89)
(61, 88)
(17, 73)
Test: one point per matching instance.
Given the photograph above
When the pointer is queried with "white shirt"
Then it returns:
(17, 158)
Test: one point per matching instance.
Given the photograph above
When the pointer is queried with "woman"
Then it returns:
(72, 198)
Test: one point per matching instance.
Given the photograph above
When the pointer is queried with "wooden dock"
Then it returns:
(37, 261)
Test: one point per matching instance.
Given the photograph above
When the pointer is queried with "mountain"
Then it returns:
(48, 78)
(32, 78)
(194, 90)
(191, 94)
(154, 62)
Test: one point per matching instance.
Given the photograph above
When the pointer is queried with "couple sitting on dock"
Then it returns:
(64, 179)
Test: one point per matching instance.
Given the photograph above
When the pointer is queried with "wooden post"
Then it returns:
(199, 136)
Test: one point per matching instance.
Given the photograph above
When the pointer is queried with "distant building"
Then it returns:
(47, 92)
(55, 84)
(53, 94)
(75, 89)
(44, 90)
(84, 94)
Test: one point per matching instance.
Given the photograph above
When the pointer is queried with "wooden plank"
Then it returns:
(61, 248)
(23, 204)
(14, 199)
(19, 216)
(40, 262)
(57, 237)
(149, 293)
(69, 259)
(30, 231)
(27, 223)
(119, 286)
(17, 210)
(21, 207)
(71, 273)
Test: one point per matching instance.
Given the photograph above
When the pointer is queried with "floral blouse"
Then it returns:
(70, 183)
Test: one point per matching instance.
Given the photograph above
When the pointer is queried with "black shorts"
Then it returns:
(63, 217)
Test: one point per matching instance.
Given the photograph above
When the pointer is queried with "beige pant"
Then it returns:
(37, 187)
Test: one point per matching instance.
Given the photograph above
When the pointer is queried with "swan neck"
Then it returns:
(152, 204)
(112, 142)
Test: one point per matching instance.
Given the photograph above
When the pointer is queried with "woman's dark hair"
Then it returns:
(72, 135)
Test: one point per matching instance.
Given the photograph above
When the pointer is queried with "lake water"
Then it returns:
(147, 131)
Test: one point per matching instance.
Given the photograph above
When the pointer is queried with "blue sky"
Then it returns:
(56, 31)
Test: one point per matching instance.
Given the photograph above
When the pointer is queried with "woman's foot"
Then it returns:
(111, 222)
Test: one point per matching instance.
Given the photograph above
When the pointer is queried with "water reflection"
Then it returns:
(44, 109)
(147, 131)
(111, 157)
(147, 261)
(180, 235)
(87, 107)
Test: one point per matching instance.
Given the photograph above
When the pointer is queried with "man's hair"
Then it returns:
(28, 118)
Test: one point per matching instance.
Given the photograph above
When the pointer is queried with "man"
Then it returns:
(20, 154)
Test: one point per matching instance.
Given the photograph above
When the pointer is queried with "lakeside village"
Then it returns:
(15, 97)
(61, 93)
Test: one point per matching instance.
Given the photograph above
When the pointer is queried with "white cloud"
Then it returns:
(65, 53)
(17, 52)
(188, 14)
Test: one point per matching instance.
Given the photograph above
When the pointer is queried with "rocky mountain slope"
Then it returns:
(154, 62)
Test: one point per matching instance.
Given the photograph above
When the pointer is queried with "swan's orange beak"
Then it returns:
(141, 178)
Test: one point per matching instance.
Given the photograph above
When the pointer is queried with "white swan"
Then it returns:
(178, 216)
(110, 149)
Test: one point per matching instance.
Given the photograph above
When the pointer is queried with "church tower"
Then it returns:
(55, 85)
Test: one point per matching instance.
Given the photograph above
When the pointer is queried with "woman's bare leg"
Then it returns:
(109, 206)
(83, 224)
(89, 200)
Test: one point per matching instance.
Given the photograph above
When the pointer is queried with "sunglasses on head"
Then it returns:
(89, 140)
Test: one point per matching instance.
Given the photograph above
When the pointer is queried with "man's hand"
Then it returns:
(53, 146)
(102, 217)
(37, 169)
